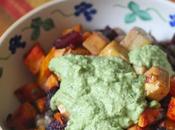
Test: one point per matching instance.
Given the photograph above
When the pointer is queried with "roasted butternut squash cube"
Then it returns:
(95, 43)
(115, 49)
(29, 93)
(171, 109)
(78, 51)
(45, 76)
(50, 82)
(58, 117)
(136, 38)
(76, 28)
(23, 118)
(157, 84)
(148, 117)
(34, 58)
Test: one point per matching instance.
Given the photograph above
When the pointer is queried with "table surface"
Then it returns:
(9, 16)
(10, 10)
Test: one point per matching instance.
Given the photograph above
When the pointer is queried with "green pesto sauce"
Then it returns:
(150, 55)
(100, 93)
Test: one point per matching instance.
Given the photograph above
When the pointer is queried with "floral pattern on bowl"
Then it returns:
(44, 24)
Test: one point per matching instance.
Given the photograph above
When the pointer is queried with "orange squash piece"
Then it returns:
(76, 28)
(59, 117)
(45, 76)
(34, 58)
(171, 109)
(135, 127)
(148, 117)
(51, 82)
(169, 124)
(41, 105)
(86, 35)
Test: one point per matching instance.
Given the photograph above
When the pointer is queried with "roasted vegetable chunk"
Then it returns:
(34, 58)
(114, 49)
(95, 43)
(23, 118)
(46, 79)
(135, 127)
(148, 117)
(136, 38)
(76, 28)
(41, 104)
(172, 86)
(29, 93)
(157, 84)
(171, 109)
(78, 51)
(72, 39)
(169, 124)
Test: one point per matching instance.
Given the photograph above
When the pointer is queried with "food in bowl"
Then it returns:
(99, 80)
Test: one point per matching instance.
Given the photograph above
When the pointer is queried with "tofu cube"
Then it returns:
(95, 43)
(114, 49)
(157, 84)
(34, 58)
(136, 38)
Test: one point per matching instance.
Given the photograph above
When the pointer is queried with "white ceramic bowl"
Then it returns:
(44, 24)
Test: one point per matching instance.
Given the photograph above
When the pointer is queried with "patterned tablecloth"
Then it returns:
(11, 10)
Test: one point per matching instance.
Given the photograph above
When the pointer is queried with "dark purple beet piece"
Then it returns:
(50, 93)
(72, 39)
(109, 33)
(55, 125)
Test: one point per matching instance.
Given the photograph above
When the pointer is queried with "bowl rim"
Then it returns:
(47, 5)
(27, 16)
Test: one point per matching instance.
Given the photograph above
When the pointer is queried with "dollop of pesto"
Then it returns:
(150, 55)
(100, 93)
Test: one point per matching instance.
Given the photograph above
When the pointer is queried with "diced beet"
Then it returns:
(109, 33)
(55, 125)
(72, 39)
(49, 96)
